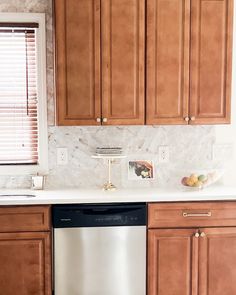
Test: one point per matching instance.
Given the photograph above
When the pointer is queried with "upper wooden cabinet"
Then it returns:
(123, 61)
(189, 49)
(88, 94)
(168, 26)
(78, 61)
(104, 49)
(211, 59)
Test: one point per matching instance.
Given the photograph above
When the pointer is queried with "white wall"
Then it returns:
(227, 134)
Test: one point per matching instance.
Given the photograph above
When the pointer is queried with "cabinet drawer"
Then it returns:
(190, 214)
(24, 218)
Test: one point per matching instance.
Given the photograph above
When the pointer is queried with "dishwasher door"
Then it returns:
(100, 260)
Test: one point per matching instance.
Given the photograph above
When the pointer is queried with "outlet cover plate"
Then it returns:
(164, 154)
(62, 156)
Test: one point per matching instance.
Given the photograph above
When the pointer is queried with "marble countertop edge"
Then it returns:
(80, 196)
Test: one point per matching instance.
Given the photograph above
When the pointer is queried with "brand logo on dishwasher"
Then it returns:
(66, 219)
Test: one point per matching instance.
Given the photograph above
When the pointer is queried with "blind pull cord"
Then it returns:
(27, 74)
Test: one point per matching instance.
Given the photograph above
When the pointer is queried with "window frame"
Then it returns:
(42, 166)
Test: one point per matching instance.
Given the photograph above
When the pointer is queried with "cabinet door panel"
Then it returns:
(25, 264)
(211, 50)
(217, 260)
(168, 26)
(171, 261)
(78, 61)
(123, 27)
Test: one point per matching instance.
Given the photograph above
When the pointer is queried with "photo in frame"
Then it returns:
(140, 170)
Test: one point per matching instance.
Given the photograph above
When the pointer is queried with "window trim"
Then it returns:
(42, 166)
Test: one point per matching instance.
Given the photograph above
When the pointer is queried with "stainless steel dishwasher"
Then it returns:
(100, 249)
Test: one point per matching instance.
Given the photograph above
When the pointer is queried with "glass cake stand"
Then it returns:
(109, 186)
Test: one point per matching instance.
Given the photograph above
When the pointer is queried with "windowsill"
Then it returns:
(23, 170)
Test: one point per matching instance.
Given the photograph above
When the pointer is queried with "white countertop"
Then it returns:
(70, 196)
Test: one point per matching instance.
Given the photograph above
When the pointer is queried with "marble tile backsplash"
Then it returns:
(190, 146)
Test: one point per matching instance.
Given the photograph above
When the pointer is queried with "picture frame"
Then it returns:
(140, 170)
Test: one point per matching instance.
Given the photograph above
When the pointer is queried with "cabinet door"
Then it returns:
(123, 27)
(172, 262)
(168, 29)
(217, 261)
(211, 50)
(78, 61)
(25, 264)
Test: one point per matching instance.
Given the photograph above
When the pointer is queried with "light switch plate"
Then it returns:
(222, 151)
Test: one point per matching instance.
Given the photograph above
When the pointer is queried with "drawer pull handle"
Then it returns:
(207, 214)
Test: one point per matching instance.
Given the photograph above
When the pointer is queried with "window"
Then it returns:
(23, 122)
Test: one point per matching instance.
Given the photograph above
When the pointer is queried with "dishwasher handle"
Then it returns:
(104, 211)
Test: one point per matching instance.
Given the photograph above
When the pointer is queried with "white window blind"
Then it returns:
(18, 94)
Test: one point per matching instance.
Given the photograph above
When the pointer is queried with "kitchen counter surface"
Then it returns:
(70, 196)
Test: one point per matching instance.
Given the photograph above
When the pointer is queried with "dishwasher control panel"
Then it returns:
(125, 214)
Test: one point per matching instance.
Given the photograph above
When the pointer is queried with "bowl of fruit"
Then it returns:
(201, 179)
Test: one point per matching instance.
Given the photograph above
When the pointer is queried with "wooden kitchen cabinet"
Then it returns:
(78, 72)
(170, 261)
(217, 261)
(189, 57)
(197, 259)
(25, 263)
(123, 41)
(168, 28)
(100, 61)
(25, 250)
(101, 49)
(211, 59)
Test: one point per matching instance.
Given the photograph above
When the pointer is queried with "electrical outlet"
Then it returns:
(164, 154)
(62, 156)
(222, 151)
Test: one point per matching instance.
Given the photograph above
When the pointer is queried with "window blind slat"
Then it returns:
(18, 95)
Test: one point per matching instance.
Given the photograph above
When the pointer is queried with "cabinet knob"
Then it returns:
(98, 120)
(192, 118)
(202, 235)
(104, 120)
(186, 119)
(196, 235)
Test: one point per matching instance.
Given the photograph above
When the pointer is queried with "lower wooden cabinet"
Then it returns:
(169, 262)
(25, 256)
(217, 261)
(195, 260)
(25, 263)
